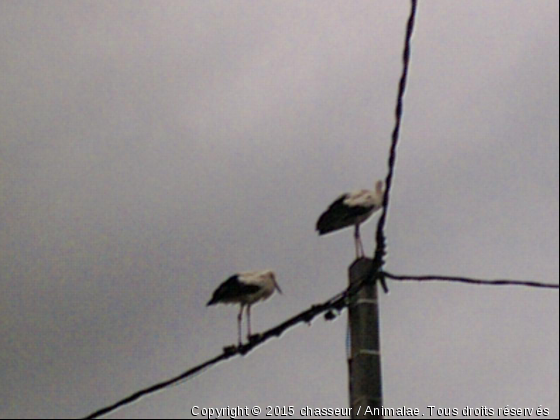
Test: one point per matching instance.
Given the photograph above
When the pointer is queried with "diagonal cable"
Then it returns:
(337, 302)
(380, 234)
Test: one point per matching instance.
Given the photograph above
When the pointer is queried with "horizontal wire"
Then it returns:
(500, 282)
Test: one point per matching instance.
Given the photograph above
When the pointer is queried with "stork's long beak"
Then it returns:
(278, 287)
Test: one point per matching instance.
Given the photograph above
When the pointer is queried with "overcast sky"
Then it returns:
(149, 150)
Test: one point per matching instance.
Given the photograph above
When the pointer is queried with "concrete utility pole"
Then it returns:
(364, 364)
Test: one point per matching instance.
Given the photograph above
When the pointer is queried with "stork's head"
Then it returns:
(379, 187)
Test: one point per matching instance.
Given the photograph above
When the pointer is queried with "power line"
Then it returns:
(160, 386)
(336, 303)
(457, 279)
(380, 235)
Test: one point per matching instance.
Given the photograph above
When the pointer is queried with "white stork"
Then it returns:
(246, 289)
(351, 209)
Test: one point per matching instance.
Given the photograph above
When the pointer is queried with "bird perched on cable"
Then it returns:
(245, 288)
(351, 209)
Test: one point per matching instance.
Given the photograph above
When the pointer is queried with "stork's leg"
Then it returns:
(249, 322)
(357, 241)
(239, 326)
(361, 243)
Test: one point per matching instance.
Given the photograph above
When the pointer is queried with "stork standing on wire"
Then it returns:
(351, 209)
(246, 289)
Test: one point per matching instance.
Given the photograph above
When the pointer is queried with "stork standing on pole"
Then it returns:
(246, 289)
(351, 209)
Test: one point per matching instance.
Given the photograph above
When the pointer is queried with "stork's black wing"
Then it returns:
(231, 289)
(339, 215)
